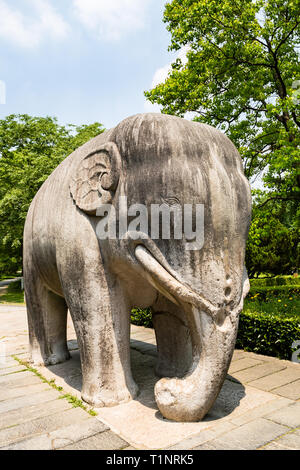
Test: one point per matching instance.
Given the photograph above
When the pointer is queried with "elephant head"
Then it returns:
(159, 159)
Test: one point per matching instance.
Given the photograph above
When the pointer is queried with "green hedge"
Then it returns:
(269, 323)
(258, 332)
(266, 334)
(275, 281)
(142, 317)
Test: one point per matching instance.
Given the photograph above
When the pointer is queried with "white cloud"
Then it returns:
(29, 30)
(111, 19)
(162, 73)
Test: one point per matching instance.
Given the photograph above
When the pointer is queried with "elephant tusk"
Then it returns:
(163, 281)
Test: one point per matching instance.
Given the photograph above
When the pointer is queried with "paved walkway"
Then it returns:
(258, 407)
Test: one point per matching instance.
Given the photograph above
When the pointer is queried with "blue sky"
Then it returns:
(81, 60)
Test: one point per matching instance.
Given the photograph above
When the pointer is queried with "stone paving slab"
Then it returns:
(250, 436)
(261, 411)
(242, 364)
(18, 378)
(56, 420)
(276, 380)
(291, 390)
(258, 407)
(7, 370)
(287, 416)
(9, 393)
(33, 412)
(61, 437)
(258, 371)
(102, 441)
(34, 399)
(274, 446)
(290, 440)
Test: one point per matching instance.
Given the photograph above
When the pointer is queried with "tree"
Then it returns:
(30, 149)
(273, 243)
(240, 76)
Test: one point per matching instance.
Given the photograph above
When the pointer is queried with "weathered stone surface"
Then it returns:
(238, 354)
(204, 436)
(283, 377)
(290, 440)
(150, 159)
(242, 364)
(10, 393)
(274, 445)
(291, 390)
(12, 369)
(17, 379)
(149, 430)
(261, 411)
(60, 438)
(42, 425)
(258, 371)
(32, 412)
(250, 436)
(288, 416)
(215, 444)
(103, 441)
(28, 400)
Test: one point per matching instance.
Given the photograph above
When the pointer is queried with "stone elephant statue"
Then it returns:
(196, 294)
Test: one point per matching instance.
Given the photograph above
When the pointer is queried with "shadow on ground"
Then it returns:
(143, 364)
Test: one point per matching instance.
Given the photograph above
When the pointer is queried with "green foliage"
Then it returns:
(239, 76)
(77, 403)
(12, 294)
(288, 281)
(284, 303)
(273, 243)
(12, 298)
(268, 334)
(270, 292)
(30, 149)
(142, 317)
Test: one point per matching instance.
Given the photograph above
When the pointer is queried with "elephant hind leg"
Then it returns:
(47, 322)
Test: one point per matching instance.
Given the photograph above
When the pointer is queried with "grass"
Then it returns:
(12, 294)
(6, 277)
(280, 306)
(74, 401)
(12, 298)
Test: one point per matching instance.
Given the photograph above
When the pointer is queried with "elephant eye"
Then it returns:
(170, 200)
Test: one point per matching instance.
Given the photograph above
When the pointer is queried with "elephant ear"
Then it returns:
(96, 178)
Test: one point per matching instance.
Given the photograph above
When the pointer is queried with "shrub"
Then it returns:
(274, 291)
(275, 281)
(269, 323)
(267, 334)
(142, 317)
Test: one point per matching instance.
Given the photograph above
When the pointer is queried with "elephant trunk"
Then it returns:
(213, 333)
(191, 397)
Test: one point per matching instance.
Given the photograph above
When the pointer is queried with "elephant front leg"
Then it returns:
(102, 324)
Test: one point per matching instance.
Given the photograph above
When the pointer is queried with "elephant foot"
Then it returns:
(37, 359)
(57, 358)
(109, 398)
